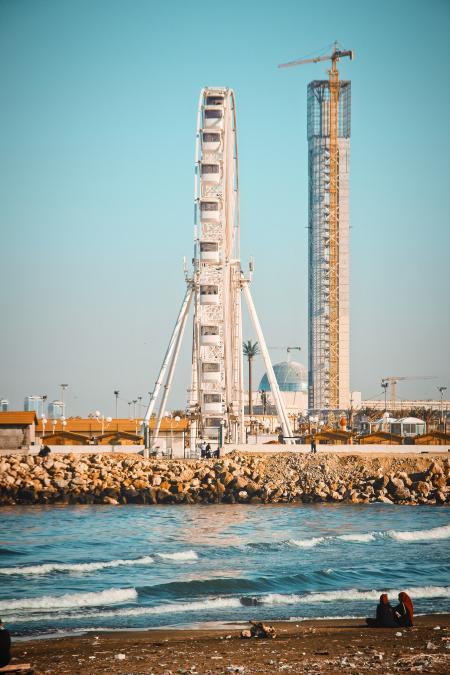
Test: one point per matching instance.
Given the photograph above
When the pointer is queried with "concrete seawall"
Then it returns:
(244, 478)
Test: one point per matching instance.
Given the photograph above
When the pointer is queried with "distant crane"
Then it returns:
(288, 349)
(392, 381)
(333, 217)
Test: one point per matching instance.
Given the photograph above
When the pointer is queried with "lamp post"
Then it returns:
(43, 398)
(63, 424)
(102, 419)
(441, 390)
(116, 394)
(44, 422)
(385, 386)
(172, 420)
(63, 389)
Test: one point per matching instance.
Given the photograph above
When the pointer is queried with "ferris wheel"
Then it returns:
(214, 288)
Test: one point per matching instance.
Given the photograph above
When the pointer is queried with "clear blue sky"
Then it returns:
(98, 104)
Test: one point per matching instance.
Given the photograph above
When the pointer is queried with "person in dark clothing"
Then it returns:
(5, 645)
(404, 612)
(44, 451)
(313, 445)
(385, 617)
(208, 451)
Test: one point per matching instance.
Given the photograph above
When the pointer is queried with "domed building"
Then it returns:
(292, 378)
(290, 375)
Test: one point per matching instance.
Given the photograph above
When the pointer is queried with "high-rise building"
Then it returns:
(34, 403)
(328, 250)
(4, 404)
(56, 409)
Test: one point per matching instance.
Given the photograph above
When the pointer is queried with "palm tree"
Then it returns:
(251, 349)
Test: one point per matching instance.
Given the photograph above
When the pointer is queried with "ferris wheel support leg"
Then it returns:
(167, 357)
(281, 410)
(171, 371)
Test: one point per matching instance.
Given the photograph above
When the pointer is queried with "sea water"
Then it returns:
(74, 568)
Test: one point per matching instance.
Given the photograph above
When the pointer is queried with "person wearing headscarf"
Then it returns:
(404, 612)
(385, 617)
(5, 645)
(385, 613)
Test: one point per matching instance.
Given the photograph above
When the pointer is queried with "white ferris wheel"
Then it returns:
(214, 288)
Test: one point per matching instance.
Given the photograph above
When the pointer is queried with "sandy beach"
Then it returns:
(332, 646)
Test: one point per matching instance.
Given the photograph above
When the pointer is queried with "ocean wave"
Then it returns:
(307, 543)
(179, 555)
(208, 586)
(442, 532)
(220, 603)
(10, 551)
(111, 596)
(354, 594)
(355, 538)
(166, 608)
(47, 568)
(358, 538)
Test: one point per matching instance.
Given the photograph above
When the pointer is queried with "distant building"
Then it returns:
(55, 409)
(17, 430)
(4, 405)
(292, 379)
(34, 404)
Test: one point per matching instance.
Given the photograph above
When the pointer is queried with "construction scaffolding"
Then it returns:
(328, 306)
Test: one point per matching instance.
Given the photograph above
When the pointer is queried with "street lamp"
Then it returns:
(63, 389)
(441, 390)
(102, 419)
(43, 398)
(63, 423)
(385, 386)
(116, 394)
(44, 422)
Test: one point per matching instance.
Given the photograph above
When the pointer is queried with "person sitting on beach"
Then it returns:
(5, 645)
(385, 614)
(404, 612)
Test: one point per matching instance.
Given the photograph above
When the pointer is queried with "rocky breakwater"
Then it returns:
(248, 479)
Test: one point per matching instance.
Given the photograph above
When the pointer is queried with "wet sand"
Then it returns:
(332, 646)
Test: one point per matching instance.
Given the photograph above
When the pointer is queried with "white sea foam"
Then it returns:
(180, 555)
(212, 604)
(359, 538)
(167, 608)
(352, 594)
(111, 596)
(442, 532)
(307, 543)
(78, 568)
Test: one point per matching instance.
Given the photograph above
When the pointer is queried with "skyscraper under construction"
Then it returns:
(328, 249)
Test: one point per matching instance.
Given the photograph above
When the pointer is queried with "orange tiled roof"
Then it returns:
(23, 417)
(89, 425)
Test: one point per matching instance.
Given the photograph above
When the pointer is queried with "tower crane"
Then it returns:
(333, 218)
(393, 380)
(288, 349)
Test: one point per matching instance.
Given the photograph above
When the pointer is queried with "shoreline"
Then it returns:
(201, 626)
(325, 645)
(236, 478)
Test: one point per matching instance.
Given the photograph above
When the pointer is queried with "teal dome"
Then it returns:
(290, 375)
